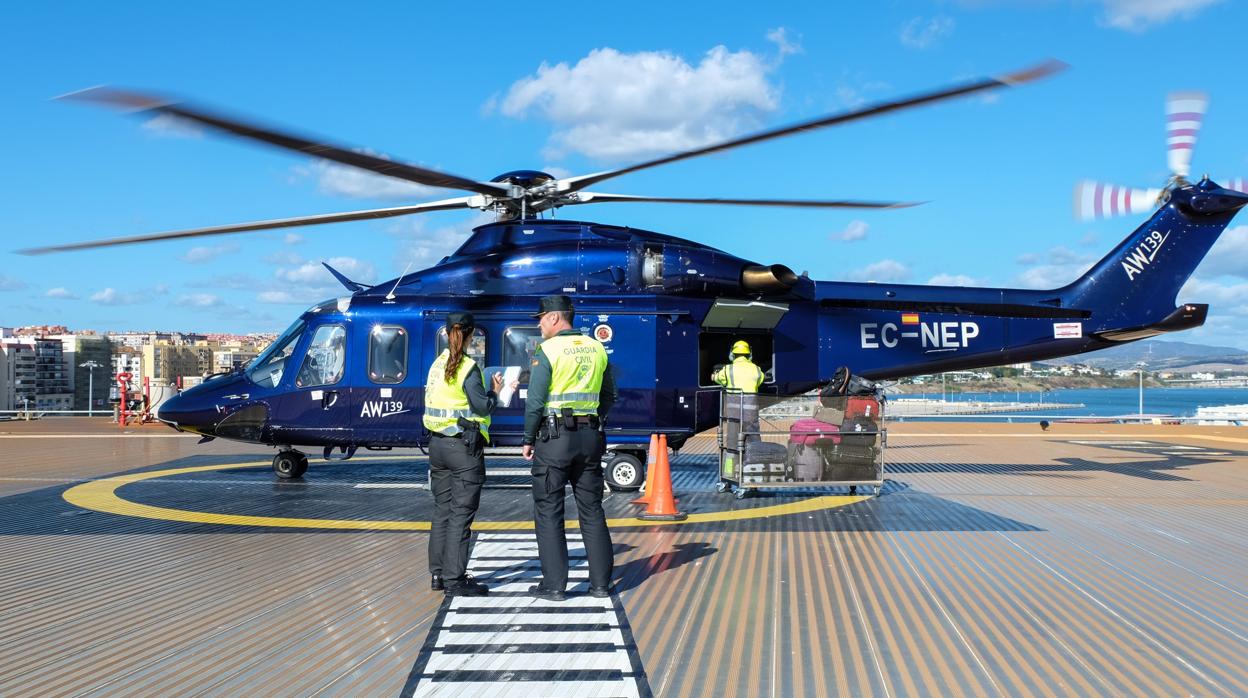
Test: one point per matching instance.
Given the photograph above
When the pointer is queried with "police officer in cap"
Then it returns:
(571, 389)
(457, 415)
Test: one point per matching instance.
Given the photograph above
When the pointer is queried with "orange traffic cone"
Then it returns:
(651, 466)
(662, 503)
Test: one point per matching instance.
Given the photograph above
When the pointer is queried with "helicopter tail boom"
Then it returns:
(1135, 287)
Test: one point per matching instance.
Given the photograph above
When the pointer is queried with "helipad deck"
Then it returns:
(999, 560)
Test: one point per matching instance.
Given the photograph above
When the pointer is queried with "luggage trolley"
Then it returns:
(800, 441)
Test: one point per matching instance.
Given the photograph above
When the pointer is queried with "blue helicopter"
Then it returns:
(349, 372)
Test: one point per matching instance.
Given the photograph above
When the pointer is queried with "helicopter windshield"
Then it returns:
(267, 369)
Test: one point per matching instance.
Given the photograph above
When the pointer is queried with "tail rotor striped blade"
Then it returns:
(1239, 184)
(1184, 113)
(1097, 200)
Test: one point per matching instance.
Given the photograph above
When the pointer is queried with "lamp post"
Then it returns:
(1140, 367)
(90, 366)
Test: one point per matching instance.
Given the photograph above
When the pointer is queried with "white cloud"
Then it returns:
(614, 106)
(856, 230)
(422, 245)
(284, 298)
(199, 300)
(343, 180)
(292, 238)
(1228, 256)
(853, 89)
(1056, 267)
(785, 47)
(315, 276)
(167, 125)
(227, 281)
(953, 280)
(60, 292)
(1089, 239)
(8, 283)
(111, 296)
(286, 257)
(920, 33)
(886, 270)
(1138, 15)
(202, 254)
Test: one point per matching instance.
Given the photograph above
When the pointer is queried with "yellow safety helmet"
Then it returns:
(741, 348)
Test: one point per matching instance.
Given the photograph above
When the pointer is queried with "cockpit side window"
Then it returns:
(266, 370)
(324, 360)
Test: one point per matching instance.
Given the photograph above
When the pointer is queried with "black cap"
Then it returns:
(461, 318)
(552, 304)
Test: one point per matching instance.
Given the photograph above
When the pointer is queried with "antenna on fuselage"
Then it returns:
(390, 295)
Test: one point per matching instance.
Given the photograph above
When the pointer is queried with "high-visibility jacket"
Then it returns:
(577, 363)
(742, 374)
(446, 402)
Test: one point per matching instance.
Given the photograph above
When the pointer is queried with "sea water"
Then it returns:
(1112, 402)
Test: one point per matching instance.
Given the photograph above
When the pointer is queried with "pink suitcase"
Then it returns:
(807, 432)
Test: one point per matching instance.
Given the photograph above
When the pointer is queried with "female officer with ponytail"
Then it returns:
(457, 414)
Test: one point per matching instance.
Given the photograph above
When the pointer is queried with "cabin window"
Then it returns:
(323, 362)
(476, 345)
(387, 354)
(266, 370)
(519, 348)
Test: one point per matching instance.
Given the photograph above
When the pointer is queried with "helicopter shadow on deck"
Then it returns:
(1159, 462)
(333, 491)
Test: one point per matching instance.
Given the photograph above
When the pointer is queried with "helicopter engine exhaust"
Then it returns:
(774, 278)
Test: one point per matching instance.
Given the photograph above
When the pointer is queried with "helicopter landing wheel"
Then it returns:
(624, 471)
(290, 464)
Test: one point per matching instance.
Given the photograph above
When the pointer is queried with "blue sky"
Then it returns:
(478, 91)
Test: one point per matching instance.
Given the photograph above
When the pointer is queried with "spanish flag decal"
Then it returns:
(909, 318)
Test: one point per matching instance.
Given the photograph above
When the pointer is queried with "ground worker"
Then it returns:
(742, 373)
(571, 389)
(457, 415)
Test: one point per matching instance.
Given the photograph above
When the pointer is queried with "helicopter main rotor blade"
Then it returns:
(137, 102)
(593, 197)
(1008, 80)
(442, 205)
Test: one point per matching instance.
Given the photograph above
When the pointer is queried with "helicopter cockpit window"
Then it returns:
(323, 362)
(266, 370)
(519, 347)
(387, 354)
(476, 345)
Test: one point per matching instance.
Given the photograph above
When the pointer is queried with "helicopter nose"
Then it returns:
(181, 413)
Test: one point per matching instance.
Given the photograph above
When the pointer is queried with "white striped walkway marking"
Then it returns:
(509, 644)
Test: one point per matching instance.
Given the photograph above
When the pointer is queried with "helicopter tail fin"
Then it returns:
(351, 285)
(1133, 289)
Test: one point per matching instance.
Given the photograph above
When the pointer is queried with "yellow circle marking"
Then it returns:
(101, 495)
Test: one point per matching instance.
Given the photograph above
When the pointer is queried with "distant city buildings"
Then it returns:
(50, 368)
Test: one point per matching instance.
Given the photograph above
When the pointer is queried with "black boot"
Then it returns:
(466, 587)
(436, 583)
(539, 592)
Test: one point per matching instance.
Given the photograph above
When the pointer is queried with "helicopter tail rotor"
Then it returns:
(1184, 113)
(1097, 200)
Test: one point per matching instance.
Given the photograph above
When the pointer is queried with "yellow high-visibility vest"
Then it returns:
(742, 374)
(577, 363)
(446, 402)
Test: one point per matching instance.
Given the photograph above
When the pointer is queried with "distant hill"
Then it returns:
(1159, 356)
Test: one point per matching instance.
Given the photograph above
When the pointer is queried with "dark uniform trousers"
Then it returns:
(572, 457)
(455, 477)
